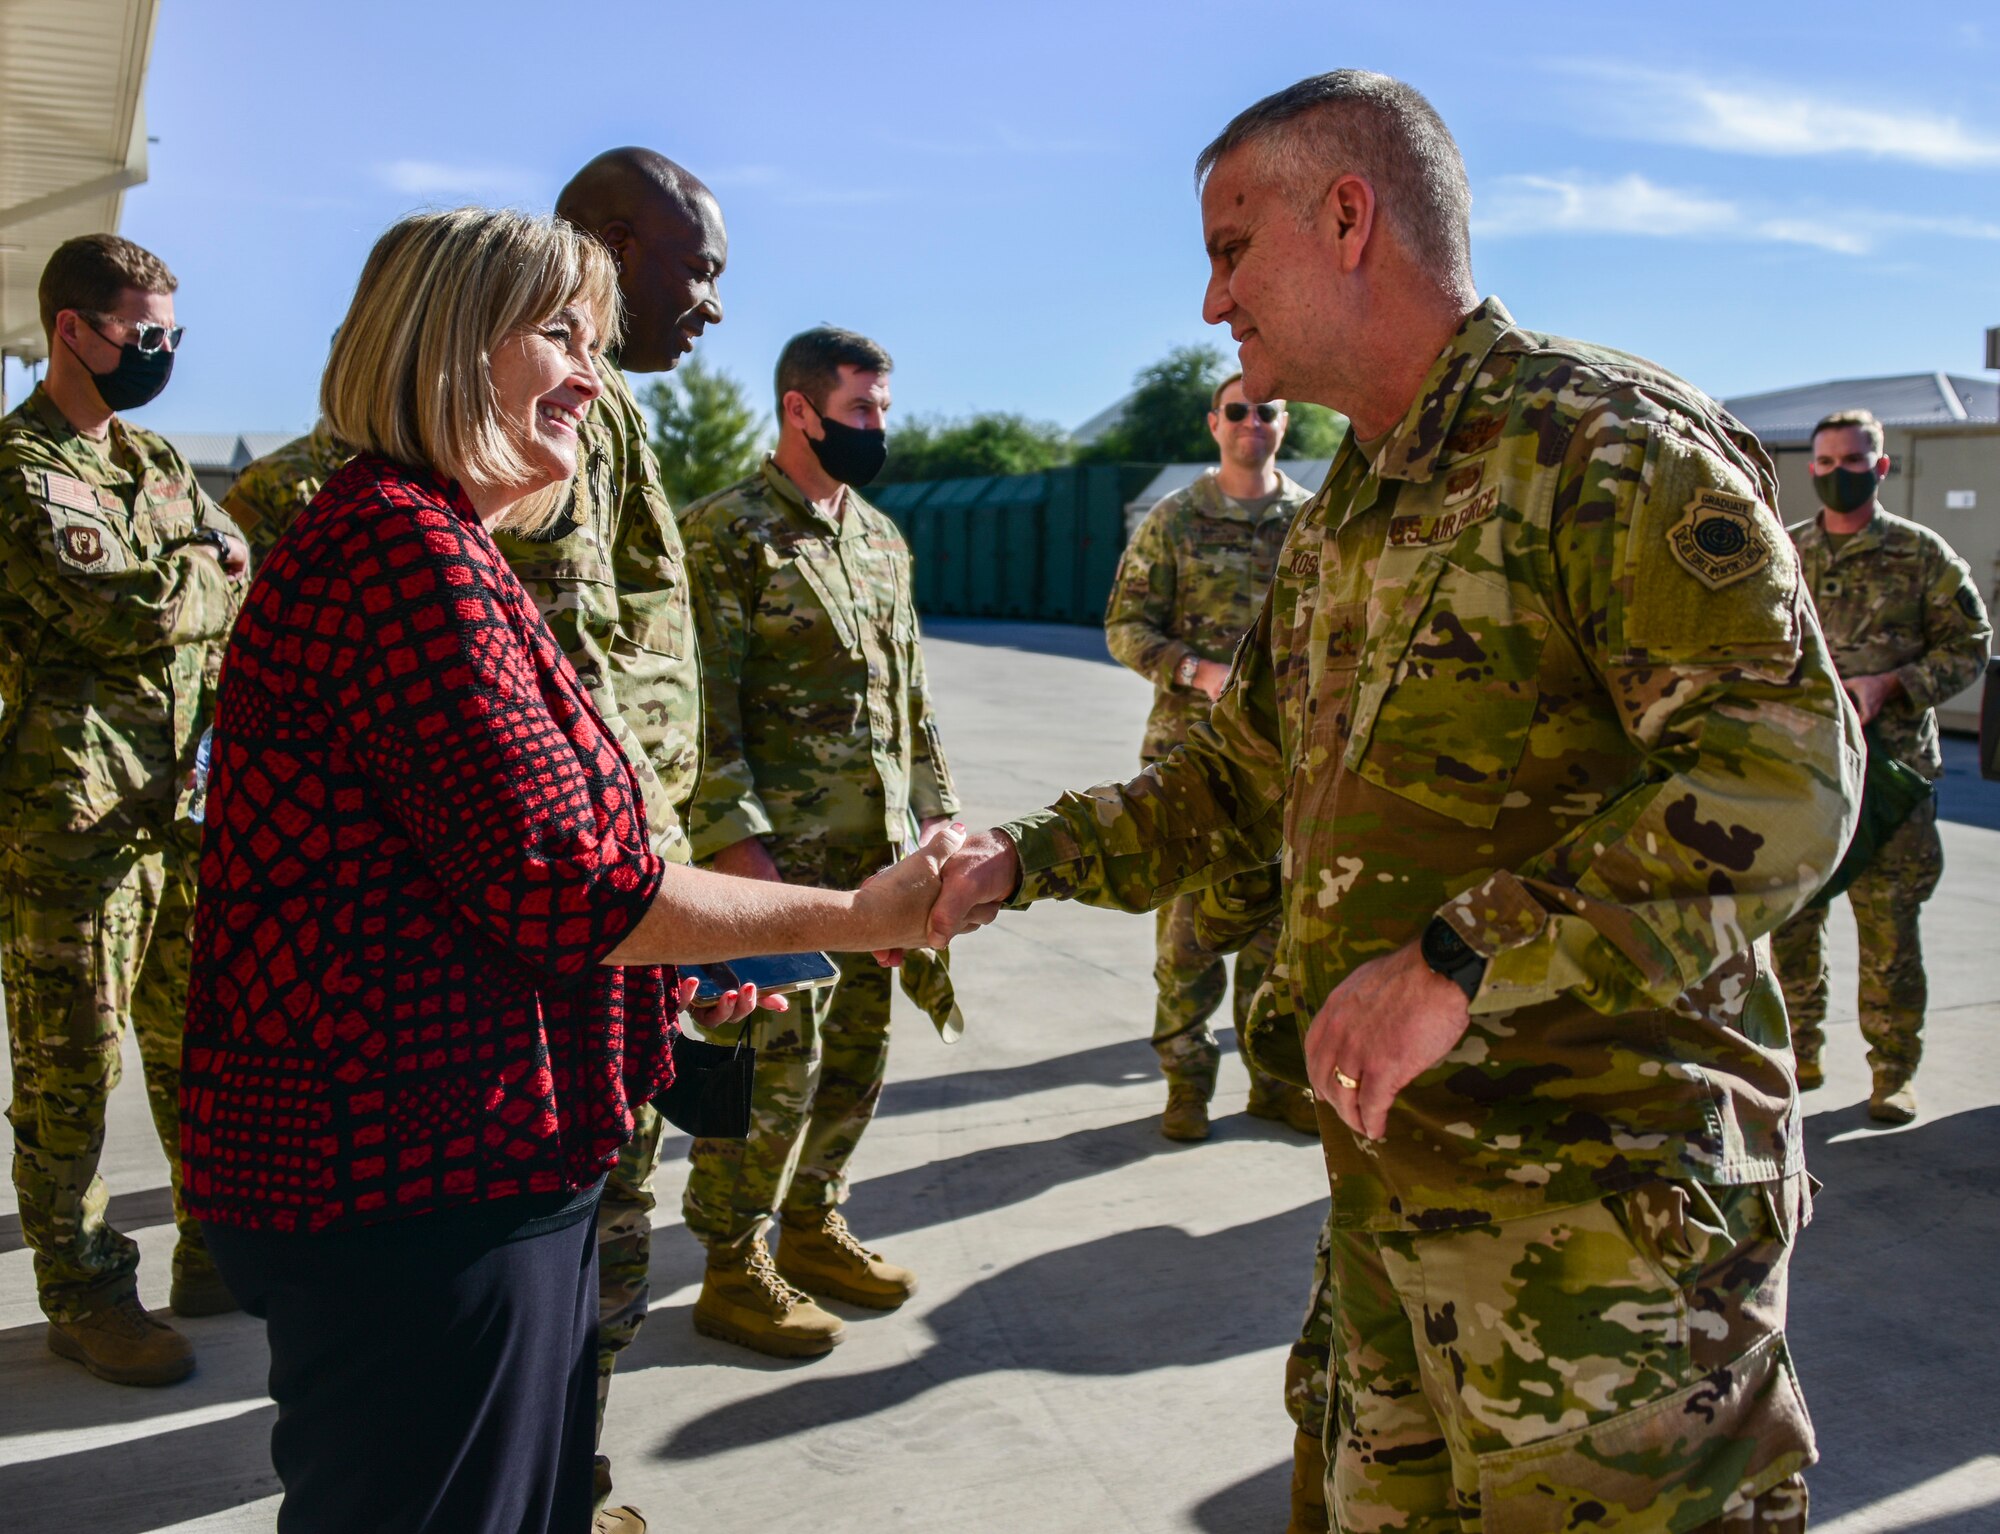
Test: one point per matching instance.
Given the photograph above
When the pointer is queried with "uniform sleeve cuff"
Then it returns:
(729, 825)
(1502, 922)
(1045, 845)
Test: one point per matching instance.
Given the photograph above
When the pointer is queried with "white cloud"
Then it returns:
(436, 179)
(1761, 118)
(1632, 205)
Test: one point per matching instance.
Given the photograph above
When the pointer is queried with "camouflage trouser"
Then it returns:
(625, 1247)
(1308, 1378)
(1620, 1364)
(1886, 900)
(819, 1077)
(91, 934)
(1191, 979)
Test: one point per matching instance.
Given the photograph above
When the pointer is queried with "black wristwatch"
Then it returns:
(214, 538)
(1450, 955)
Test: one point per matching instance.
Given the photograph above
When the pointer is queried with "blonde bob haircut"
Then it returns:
(410, 375)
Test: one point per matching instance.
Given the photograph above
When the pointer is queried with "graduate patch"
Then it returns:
(1717, 539)
(83, 545)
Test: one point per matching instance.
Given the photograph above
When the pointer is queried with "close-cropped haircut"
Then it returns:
(410, 375)
(812, 360)
(91, 272)
(1862, 421)
(1356, 122)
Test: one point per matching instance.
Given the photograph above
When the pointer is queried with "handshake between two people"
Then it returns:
(952, 883)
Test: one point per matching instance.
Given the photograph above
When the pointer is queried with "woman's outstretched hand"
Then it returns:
(896, 903)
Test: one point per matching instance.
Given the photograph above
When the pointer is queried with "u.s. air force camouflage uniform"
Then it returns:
(1190, 583)
(1892, 598)
(821, 741)
(1538, 663)
(610, 579)
(111, 625)
(270, 492)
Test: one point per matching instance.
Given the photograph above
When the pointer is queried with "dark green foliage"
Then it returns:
(1315, 431)
(991, 442)
(1166, 420)
(706, 434)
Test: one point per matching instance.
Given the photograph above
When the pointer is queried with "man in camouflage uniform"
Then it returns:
(1187, 589)
(1907, 630)
(119, 580)
(1546, 734)
(822, 751)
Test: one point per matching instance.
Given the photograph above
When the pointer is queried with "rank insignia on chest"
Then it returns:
(84, 545)
(1717, 539)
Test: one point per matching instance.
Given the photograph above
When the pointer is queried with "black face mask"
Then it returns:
(1845, 490)
(136, 380)
(854, 455)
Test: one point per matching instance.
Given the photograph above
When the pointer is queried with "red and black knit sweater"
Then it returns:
(420, 842)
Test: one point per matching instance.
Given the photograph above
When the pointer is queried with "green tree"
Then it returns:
(1166, 419)
(706, 434)
(990, 442)
(1315, 432)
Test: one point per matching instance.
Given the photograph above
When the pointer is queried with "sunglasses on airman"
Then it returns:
(147, 337)
(1236, 410)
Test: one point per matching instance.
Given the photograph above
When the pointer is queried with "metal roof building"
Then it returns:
(72, 137)
(1784, 418)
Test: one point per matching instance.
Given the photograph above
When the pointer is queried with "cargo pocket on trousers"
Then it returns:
(1678, 1462)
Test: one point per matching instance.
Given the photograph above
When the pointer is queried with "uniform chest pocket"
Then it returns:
(1449, 698)
(659, 620)
(824, 589)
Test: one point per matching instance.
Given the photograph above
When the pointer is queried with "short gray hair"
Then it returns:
(1353, 121)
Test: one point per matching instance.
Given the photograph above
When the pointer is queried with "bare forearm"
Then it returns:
(699, 917)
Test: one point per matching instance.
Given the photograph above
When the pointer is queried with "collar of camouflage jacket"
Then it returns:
(1208, 494)
(1871, 537)
(793, 499)
(1412, 448)
(98, 456)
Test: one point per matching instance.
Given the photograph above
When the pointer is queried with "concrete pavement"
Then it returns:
(1100, 1338)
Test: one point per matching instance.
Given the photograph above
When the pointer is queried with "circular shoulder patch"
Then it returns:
(1717, 539)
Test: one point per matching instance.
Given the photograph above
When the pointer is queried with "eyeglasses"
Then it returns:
(1236, 410)
(147, 336)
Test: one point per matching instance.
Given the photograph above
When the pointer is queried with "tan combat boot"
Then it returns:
(822, 1257)
(618, 1520)
(1284, 1103)
(1186, 1117)
(744, 1301)
(1308, 1485)
(1894, 1100)
(123, 1344)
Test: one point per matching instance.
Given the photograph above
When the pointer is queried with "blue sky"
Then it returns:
(1755, 195)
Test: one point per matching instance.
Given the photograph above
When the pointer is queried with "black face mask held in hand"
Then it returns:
(1844, 490)
(854, 455)
(136, 380)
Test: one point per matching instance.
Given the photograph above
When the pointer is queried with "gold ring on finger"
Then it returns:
(1351, 1083)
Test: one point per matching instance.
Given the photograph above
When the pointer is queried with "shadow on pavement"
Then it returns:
(1257, 1504)
(144, 1483)
(127, 1212)
(1125, 1304)
(1892, 1306)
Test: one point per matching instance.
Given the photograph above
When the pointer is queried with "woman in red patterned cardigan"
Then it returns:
(430, 959)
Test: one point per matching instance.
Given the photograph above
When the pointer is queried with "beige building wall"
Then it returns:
(1946, 477)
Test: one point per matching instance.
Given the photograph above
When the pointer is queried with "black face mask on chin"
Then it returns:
(136, 380)
(854, 455)
(1846, 490)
